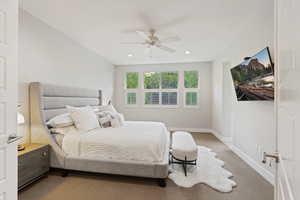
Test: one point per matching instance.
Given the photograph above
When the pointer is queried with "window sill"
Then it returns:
(131, 106)
(161, 106)
(191, 106)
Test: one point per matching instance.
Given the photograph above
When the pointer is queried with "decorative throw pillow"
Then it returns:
(104, 119)
(84, 118)
(110, 119)
(60, 121)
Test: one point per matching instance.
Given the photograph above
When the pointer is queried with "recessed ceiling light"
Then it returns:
(187, 52)
(130, 55)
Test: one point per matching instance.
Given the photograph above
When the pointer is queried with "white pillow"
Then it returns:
(121, 118)
(60, 121)
(84, 118)
(109, 108)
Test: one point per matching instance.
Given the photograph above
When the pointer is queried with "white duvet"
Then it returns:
(135, 141)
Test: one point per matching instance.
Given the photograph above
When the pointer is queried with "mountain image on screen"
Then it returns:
(254, 78)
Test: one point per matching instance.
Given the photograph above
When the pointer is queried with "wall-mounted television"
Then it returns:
(253, 79)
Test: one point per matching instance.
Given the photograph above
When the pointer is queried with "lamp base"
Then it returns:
(21, 147)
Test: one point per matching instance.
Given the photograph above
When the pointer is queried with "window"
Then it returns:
(169, 98)
(191, 98)
(169, 80)
(131, 98)
(191, 79)
(151, 80)
(161, 88)
(191, 88)
(151, 98)
(132, 80)
(132, 85)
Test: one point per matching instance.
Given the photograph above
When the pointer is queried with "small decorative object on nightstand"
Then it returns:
(33, 163)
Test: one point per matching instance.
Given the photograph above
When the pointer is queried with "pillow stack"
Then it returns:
(86, 119)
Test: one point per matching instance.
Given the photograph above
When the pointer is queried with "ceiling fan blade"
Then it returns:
(141, 43)
(165, 48)
(171, 39)
(171, 23)
(146, 20)
(143, 35)
(133, 30)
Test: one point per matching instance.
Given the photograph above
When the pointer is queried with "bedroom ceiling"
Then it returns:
(206, 27)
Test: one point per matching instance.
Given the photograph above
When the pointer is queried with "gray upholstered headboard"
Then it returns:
(54, 98)
(47, 101)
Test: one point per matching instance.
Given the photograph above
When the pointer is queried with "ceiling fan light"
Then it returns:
(130, 55)
(187, 52)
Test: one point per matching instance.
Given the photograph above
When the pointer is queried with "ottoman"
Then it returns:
(184, 150)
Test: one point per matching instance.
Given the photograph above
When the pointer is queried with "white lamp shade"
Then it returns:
(21, 119)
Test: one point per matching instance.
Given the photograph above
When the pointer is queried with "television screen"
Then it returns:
(254, 78)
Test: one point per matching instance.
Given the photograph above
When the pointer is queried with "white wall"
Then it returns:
(187, 118)
(48, 56)
(249, 125)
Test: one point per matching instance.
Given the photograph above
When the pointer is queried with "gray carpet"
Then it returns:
(83, 186)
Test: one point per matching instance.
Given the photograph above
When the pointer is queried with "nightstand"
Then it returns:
(33, 163)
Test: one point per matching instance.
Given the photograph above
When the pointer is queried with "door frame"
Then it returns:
(281, 189)
(8, 98)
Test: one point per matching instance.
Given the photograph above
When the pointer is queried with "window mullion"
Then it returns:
(160, 89)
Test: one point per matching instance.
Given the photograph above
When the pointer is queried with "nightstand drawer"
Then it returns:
(32, 165)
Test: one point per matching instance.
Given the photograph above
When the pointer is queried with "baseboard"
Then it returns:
(224, 139)
(250, 161)
(197, 130)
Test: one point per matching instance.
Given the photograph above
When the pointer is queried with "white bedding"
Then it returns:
(135, 141)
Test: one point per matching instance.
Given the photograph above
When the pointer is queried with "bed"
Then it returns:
(136, 149)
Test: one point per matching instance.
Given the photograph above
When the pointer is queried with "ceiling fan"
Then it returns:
(151, 40)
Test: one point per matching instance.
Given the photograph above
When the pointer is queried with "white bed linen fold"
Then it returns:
(135, 141)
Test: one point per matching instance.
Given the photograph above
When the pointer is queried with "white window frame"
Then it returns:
(184, 98)
(136, 96)
(197, 90)
(159, 90)
(131, 90)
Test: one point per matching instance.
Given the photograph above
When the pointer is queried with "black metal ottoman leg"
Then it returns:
(184, 166)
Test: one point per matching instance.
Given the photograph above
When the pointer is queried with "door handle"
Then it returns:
(13, 138)
(274, 156)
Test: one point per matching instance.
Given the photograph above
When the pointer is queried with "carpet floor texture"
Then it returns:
(86, 186)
